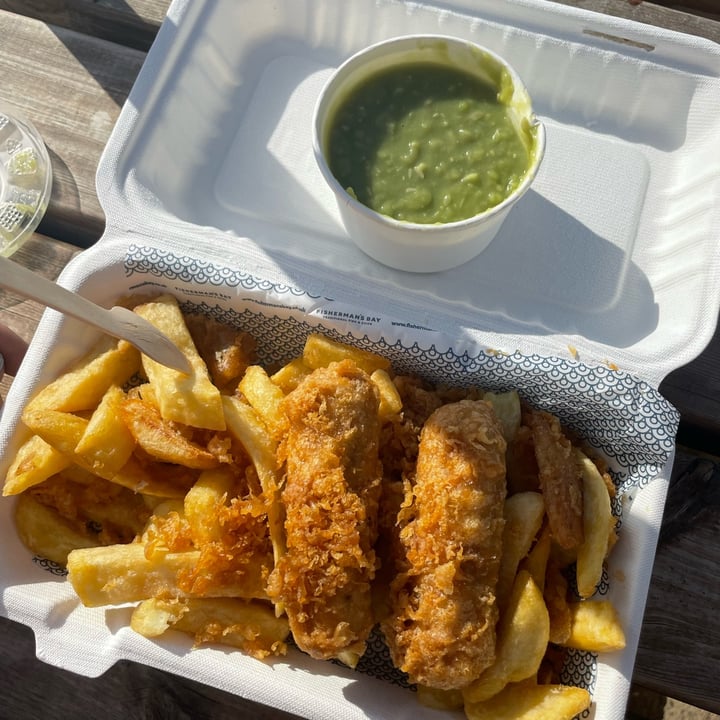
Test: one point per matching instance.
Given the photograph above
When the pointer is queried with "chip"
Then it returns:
(595, 626)
(598, 525)
(522, 639)
(190, 468)
(525, 701)
(188, 399)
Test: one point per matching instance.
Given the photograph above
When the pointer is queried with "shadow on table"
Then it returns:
(113, 20)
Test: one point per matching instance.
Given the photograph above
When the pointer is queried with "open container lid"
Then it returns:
(613, 255)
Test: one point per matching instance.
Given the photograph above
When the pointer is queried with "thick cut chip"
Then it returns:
(249, 625)
(555, 593)
(82, 388)
(156, 479)
(508, 410)
(245, 425)
(595, 627)
(203, 502)
(523, 514)
(118, 574)
(523, 635)
(537, 560)
(155, 616)
(266, 398)
(390, 400)
(34, 463)
(62, 430)
(320, 351)
(439, 699)
(598, 526)
(290, 375)
(43, 531)
(522, 701)
(145, 392)
(160, 438)
(107, 443)
(188, 399)
(95, 507)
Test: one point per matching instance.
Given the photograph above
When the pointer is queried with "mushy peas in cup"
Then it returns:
(428, 143)
(430, 139)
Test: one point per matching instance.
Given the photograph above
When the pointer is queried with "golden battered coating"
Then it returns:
(560, 478)
(227, 352)
(442, 627)
(331, 499)
(398, 451)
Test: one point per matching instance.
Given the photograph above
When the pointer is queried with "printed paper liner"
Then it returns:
(623, 417)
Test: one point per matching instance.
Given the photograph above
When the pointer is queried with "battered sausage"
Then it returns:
(441, 630)
(331, 499)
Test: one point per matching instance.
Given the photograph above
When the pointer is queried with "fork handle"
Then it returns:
(29, 284)
(118, 322)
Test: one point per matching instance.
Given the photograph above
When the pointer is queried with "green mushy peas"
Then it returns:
(426, 143)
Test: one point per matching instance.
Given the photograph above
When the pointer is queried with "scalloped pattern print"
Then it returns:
(623, 417)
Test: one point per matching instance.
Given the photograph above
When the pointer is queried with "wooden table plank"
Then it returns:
(72, 87)
(705, 8)
(47, 257)
(695, 390)
(679, 648)
(132, 23)
(653, 14)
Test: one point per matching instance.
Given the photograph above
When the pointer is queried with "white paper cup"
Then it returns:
(411, 246)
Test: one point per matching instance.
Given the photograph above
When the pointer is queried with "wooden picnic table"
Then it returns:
(70, 64)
